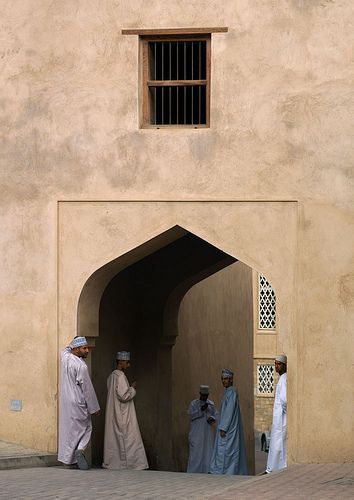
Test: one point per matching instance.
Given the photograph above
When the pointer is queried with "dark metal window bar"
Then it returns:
(178, 82)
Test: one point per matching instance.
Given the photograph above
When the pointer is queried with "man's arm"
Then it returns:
(282, 395)
(211, 413)
(124, 392)
(228, 412)
(194, 410)
(88, 390)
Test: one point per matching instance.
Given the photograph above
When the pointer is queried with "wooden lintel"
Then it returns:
(174, 31)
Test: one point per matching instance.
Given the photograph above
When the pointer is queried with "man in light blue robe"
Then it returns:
(229, 453)
(202, 414)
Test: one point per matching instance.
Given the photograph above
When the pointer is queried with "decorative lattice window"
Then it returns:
(265, 379)
(266, 305)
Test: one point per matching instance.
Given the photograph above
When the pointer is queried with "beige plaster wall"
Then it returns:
(281, 129)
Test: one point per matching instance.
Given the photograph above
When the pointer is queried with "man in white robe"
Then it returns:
(123, 446)
(77, 403)
(229, 452)
(278, 438)
(202, 414)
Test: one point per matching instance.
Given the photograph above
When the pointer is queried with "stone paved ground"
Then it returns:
(15, 450)
(13, 456)
(318, 482)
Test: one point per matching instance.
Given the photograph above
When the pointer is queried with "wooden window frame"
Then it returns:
(146, 83)
(171, 35)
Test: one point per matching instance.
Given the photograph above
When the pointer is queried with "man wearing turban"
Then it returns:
(229, 453)
(77, 403)
(123, 446)
(278, 437)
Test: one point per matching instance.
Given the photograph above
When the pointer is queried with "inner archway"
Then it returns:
(216, 325)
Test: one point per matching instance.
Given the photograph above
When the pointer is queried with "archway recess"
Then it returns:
(139, 312)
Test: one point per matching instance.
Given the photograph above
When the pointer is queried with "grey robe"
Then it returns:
(123, 446)
(229, 453)
(77, 402)
(201, 436)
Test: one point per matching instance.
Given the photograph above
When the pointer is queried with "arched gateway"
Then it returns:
(133, 301)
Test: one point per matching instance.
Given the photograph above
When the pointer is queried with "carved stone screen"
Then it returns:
(265, 379)
(266, 305)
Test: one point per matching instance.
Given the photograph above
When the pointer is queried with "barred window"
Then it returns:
(265, 379)
(176, 77)
(266, 305)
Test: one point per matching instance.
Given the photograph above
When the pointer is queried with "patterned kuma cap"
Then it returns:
(123, 356)
(226, 373)
(78, 342)
(281, 358)
(204, 389)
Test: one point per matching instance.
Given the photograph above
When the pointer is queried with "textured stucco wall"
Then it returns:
(281, 129)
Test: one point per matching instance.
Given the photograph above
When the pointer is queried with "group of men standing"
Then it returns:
(123, 446)
(226, 453)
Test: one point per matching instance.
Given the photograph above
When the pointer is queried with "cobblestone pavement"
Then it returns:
(320, 482)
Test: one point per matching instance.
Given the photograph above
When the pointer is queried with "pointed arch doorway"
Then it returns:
(139, 311)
